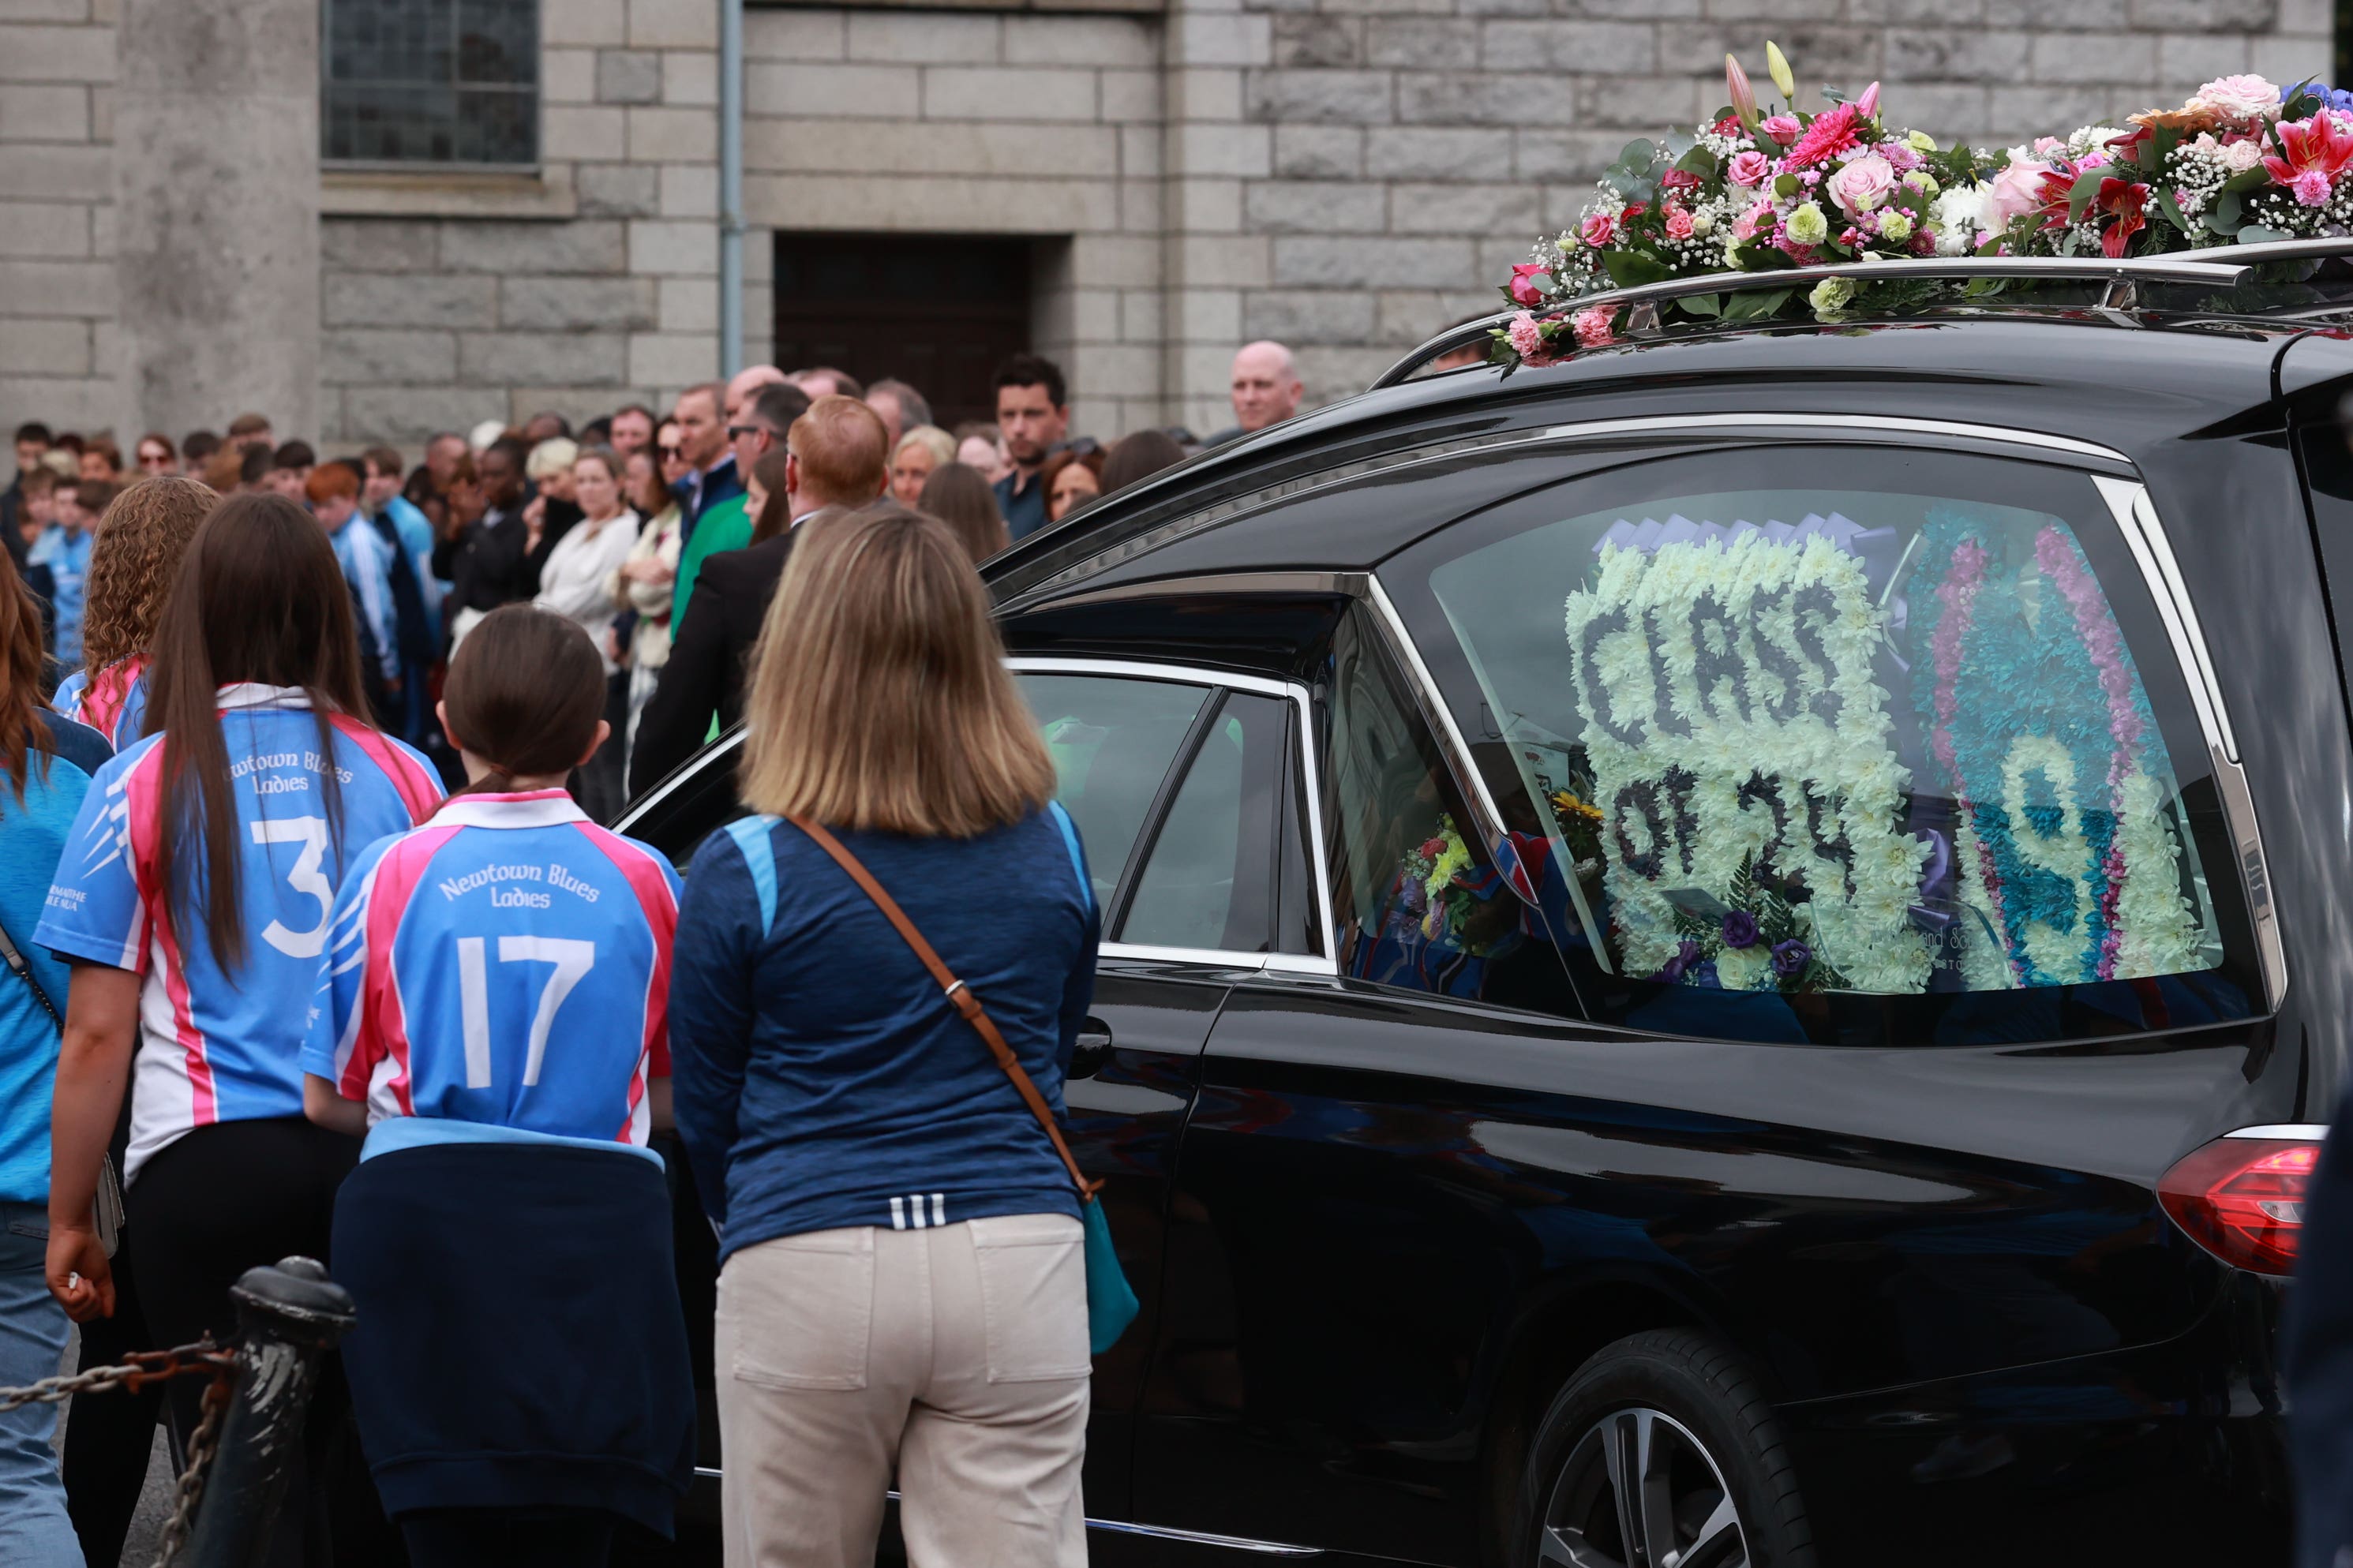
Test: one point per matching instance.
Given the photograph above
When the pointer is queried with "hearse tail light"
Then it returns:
(2242, 1198)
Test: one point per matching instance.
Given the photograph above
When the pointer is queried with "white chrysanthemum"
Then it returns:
(1958, 215)
(1838, 784)
(2092, 137)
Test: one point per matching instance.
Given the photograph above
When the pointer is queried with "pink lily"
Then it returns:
(1744, 97)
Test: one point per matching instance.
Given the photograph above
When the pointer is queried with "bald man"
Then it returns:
(746, 383)
(1266, 390)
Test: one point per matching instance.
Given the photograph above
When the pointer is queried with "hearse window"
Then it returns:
(1423, 904)
(1208, 878)
(1853, 745)
(1112, 738)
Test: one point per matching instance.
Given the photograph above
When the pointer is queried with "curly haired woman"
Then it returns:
(132, 565)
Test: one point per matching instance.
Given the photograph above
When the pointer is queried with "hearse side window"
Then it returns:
(1112, 738)
(1423, 904)
(1853, 745)
(1208, 878)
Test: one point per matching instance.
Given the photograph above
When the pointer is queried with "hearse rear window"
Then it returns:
(1845, 745)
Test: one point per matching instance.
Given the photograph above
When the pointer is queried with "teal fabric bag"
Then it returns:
(1111, 1300)
(1112, 1305)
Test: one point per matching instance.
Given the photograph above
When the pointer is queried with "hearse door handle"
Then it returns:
(1093, 1050)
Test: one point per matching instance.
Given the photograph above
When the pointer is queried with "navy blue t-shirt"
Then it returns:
(821, 1079)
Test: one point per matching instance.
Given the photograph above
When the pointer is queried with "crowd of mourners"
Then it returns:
(316, 947)
(613, 525)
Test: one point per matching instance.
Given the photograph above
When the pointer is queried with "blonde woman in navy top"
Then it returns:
(901, 1288)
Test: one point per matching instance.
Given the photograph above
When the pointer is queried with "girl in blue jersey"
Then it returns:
(492, 1012)
(46, 767)
(192, 902)
(132, 565)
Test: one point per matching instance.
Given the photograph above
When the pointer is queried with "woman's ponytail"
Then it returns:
(525, 693)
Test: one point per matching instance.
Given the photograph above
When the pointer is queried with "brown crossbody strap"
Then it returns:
(958, 993)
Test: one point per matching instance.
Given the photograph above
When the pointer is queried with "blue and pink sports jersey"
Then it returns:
(113, 701)
(506, 963)
(213, 1046)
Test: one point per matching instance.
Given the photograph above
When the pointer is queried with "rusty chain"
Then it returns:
(191, 1490)
(135, 1371)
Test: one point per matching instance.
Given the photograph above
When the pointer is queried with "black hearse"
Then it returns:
(1728, 953)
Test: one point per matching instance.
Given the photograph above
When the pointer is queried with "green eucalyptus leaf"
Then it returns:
(1703, 305)
(1785, 185)
(2170, 210)
(2223, 218)
(2256, 234)
(1698, 161)
(2248, 180)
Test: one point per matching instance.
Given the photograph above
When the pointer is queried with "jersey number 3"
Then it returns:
(305, 878)
(571, 957)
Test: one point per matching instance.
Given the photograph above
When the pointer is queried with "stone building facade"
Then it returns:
(1346, 175)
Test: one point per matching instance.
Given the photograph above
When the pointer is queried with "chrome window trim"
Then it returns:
(2128, 501)
(1828, 427)
(1302, 703)
(2290, 1132)
(1807, 426)
(679, 780)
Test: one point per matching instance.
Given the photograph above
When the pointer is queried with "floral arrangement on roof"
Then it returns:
(1754, 192)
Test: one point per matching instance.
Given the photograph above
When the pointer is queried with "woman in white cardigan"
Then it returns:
(642, 581)
(573, 583)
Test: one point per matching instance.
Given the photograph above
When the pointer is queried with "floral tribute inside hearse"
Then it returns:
(1755, 193)
(1826, 723)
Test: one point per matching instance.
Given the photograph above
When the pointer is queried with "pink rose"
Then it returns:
(2046, 145)
(1597, 230)
(1528, 338)
(1743, 227)
(1750, 168)
(1592, 327)
(2241, 98)
(1781, 128)
(1679, 224)
(2095, 159)
(2017, 191)
(1525, 289)
(1863, 185)
(2311, 187)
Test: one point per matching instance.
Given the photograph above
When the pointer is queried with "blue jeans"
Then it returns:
(33, 1524)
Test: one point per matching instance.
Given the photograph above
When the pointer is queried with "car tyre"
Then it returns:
(1662, 1452)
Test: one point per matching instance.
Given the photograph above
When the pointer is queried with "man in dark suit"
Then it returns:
(837, 456)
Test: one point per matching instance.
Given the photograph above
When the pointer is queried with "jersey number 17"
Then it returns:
(571, 957)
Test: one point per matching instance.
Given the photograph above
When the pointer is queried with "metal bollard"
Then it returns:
(288, 1316)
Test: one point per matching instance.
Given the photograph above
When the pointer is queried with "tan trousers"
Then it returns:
(956, 1354)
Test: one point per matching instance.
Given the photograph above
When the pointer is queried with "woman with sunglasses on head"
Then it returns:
(192, 902)
(492, 1014)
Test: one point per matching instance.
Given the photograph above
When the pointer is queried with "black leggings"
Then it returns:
(111, 1437)
(213, 1203)
(508, 1538)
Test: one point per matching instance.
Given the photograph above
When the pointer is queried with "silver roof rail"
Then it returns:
(2222, 265)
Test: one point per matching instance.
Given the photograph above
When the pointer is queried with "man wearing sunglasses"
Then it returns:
(761, 406)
